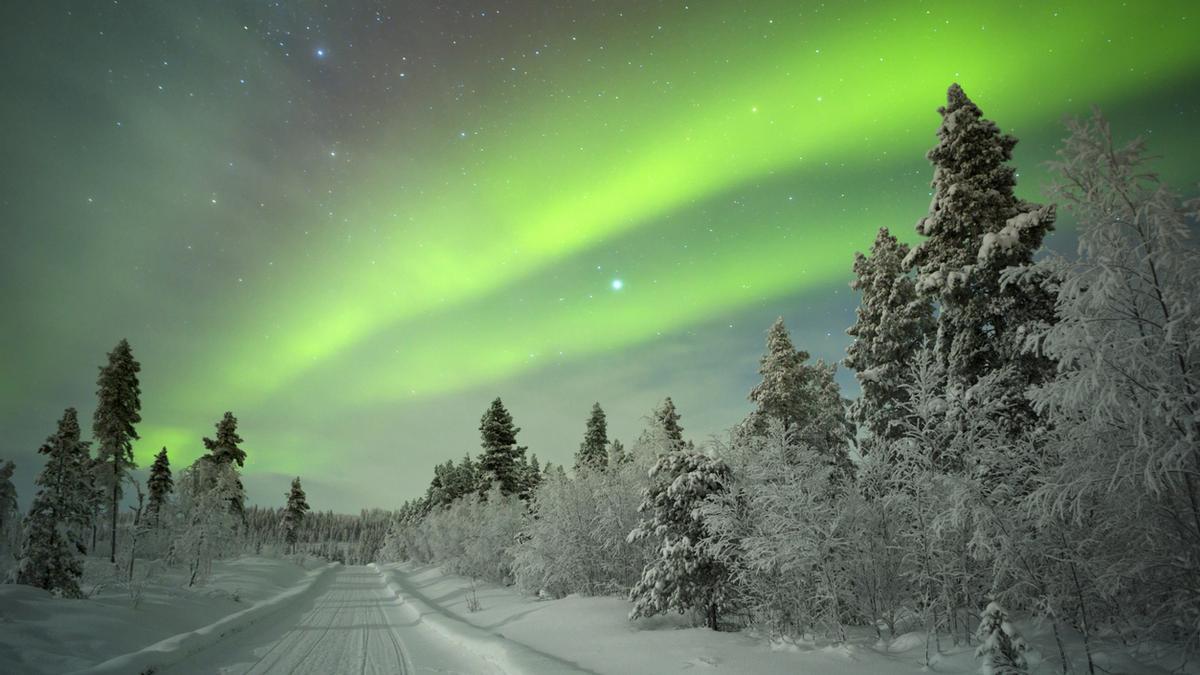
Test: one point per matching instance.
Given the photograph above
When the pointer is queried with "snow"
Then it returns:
(40, 633)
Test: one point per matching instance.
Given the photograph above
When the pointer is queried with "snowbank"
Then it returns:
(107, 633)
(577, 634)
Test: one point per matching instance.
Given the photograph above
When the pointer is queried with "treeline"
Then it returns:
(186, 520)
(1028, 436)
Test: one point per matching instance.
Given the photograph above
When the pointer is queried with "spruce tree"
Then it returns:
(226, 450)
(159, 485)
(892, 324)
(593, 453)
(684, 575)
(501, 454)
(803, 398)
(59, 513)
(293, 514)
(975, 229)
(616, 454)
(9, 512)
(1001, 649)
(666, 418)
(117, 411)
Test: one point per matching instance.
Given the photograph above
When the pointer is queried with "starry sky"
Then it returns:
(355, 223)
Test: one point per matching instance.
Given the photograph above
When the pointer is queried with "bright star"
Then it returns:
(320, 52)
(617, 284)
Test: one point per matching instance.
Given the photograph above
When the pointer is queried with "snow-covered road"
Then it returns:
(351, 623)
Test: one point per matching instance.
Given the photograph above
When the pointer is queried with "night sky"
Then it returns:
(355, 223)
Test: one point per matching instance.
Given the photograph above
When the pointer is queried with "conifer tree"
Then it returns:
(666, 419)
(226, 450)
(892, 324)
(593, 453)
(501, 454)
(117, 411)
(293, 515)
(617, 454)
(975, 229)
(802, 397)
(59, 513)
(684, 575)
(1002, 649)
(159, 485)
(9, 513)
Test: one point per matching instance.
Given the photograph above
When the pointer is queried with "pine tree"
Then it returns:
(684, 575)
(117, 411)
(666, 421)
(293, 513)
(9, 513)
(226, 450)
(593, 453)
(160, 485)
(501, 454)
(616, 454)
(59, 513)
(226, 447)
(975, 229)
(802, 397)
(1001, 648)
(892, 324)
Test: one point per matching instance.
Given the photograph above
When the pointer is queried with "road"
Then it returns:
(349, 624)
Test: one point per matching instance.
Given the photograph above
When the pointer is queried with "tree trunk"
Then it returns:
(112, 557)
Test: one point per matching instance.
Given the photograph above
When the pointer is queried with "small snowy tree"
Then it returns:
(892, 324)
(59, 514)
(209, 525)
(117, 411)
(225, 450)
(501, 455)
(1001, 648)
(593, 452)
(293, 514)
(10, 516)
(160, 485)
(682, 576)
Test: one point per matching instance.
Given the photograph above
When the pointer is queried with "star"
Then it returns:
(320, 52)
(617, 284)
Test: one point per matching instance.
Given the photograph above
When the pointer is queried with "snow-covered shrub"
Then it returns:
(781, 531)
(1001, 648)
(683, 575)
(209, 523)
(577, 541)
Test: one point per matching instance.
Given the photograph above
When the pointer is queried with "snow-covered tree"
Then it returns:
(892, 324)
(209, 525)
(501, 454)
(118, 409)
(593, 452)
(1124, 403)
(779, 529)
(1001, 648)
(801, 396)
(293, 513)
(666, 424)
(226, 450)
(160, 485)
(577, 542)
(617, 454)
(682, 576)
(60, 513)
(975, 229)
(10, 515)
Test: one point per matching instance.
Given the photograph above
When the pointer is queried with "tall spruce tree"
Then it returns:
(975, 229)
(892, 324)
(593, 452)
(293, 514)
(59, 514)
(117, 411)
(666, 421)
(802, 397)
(10, 514)
(159, 485)
(226, 449)
(501, 455)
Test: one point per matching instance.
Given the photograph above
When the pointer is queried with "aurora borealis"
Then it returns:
(355, 223)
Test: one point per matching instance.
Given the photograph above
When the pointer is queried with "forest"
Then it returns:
(1025, 442)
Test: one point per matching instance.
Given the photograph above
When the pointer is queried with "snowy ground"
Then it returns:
(261, 615)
